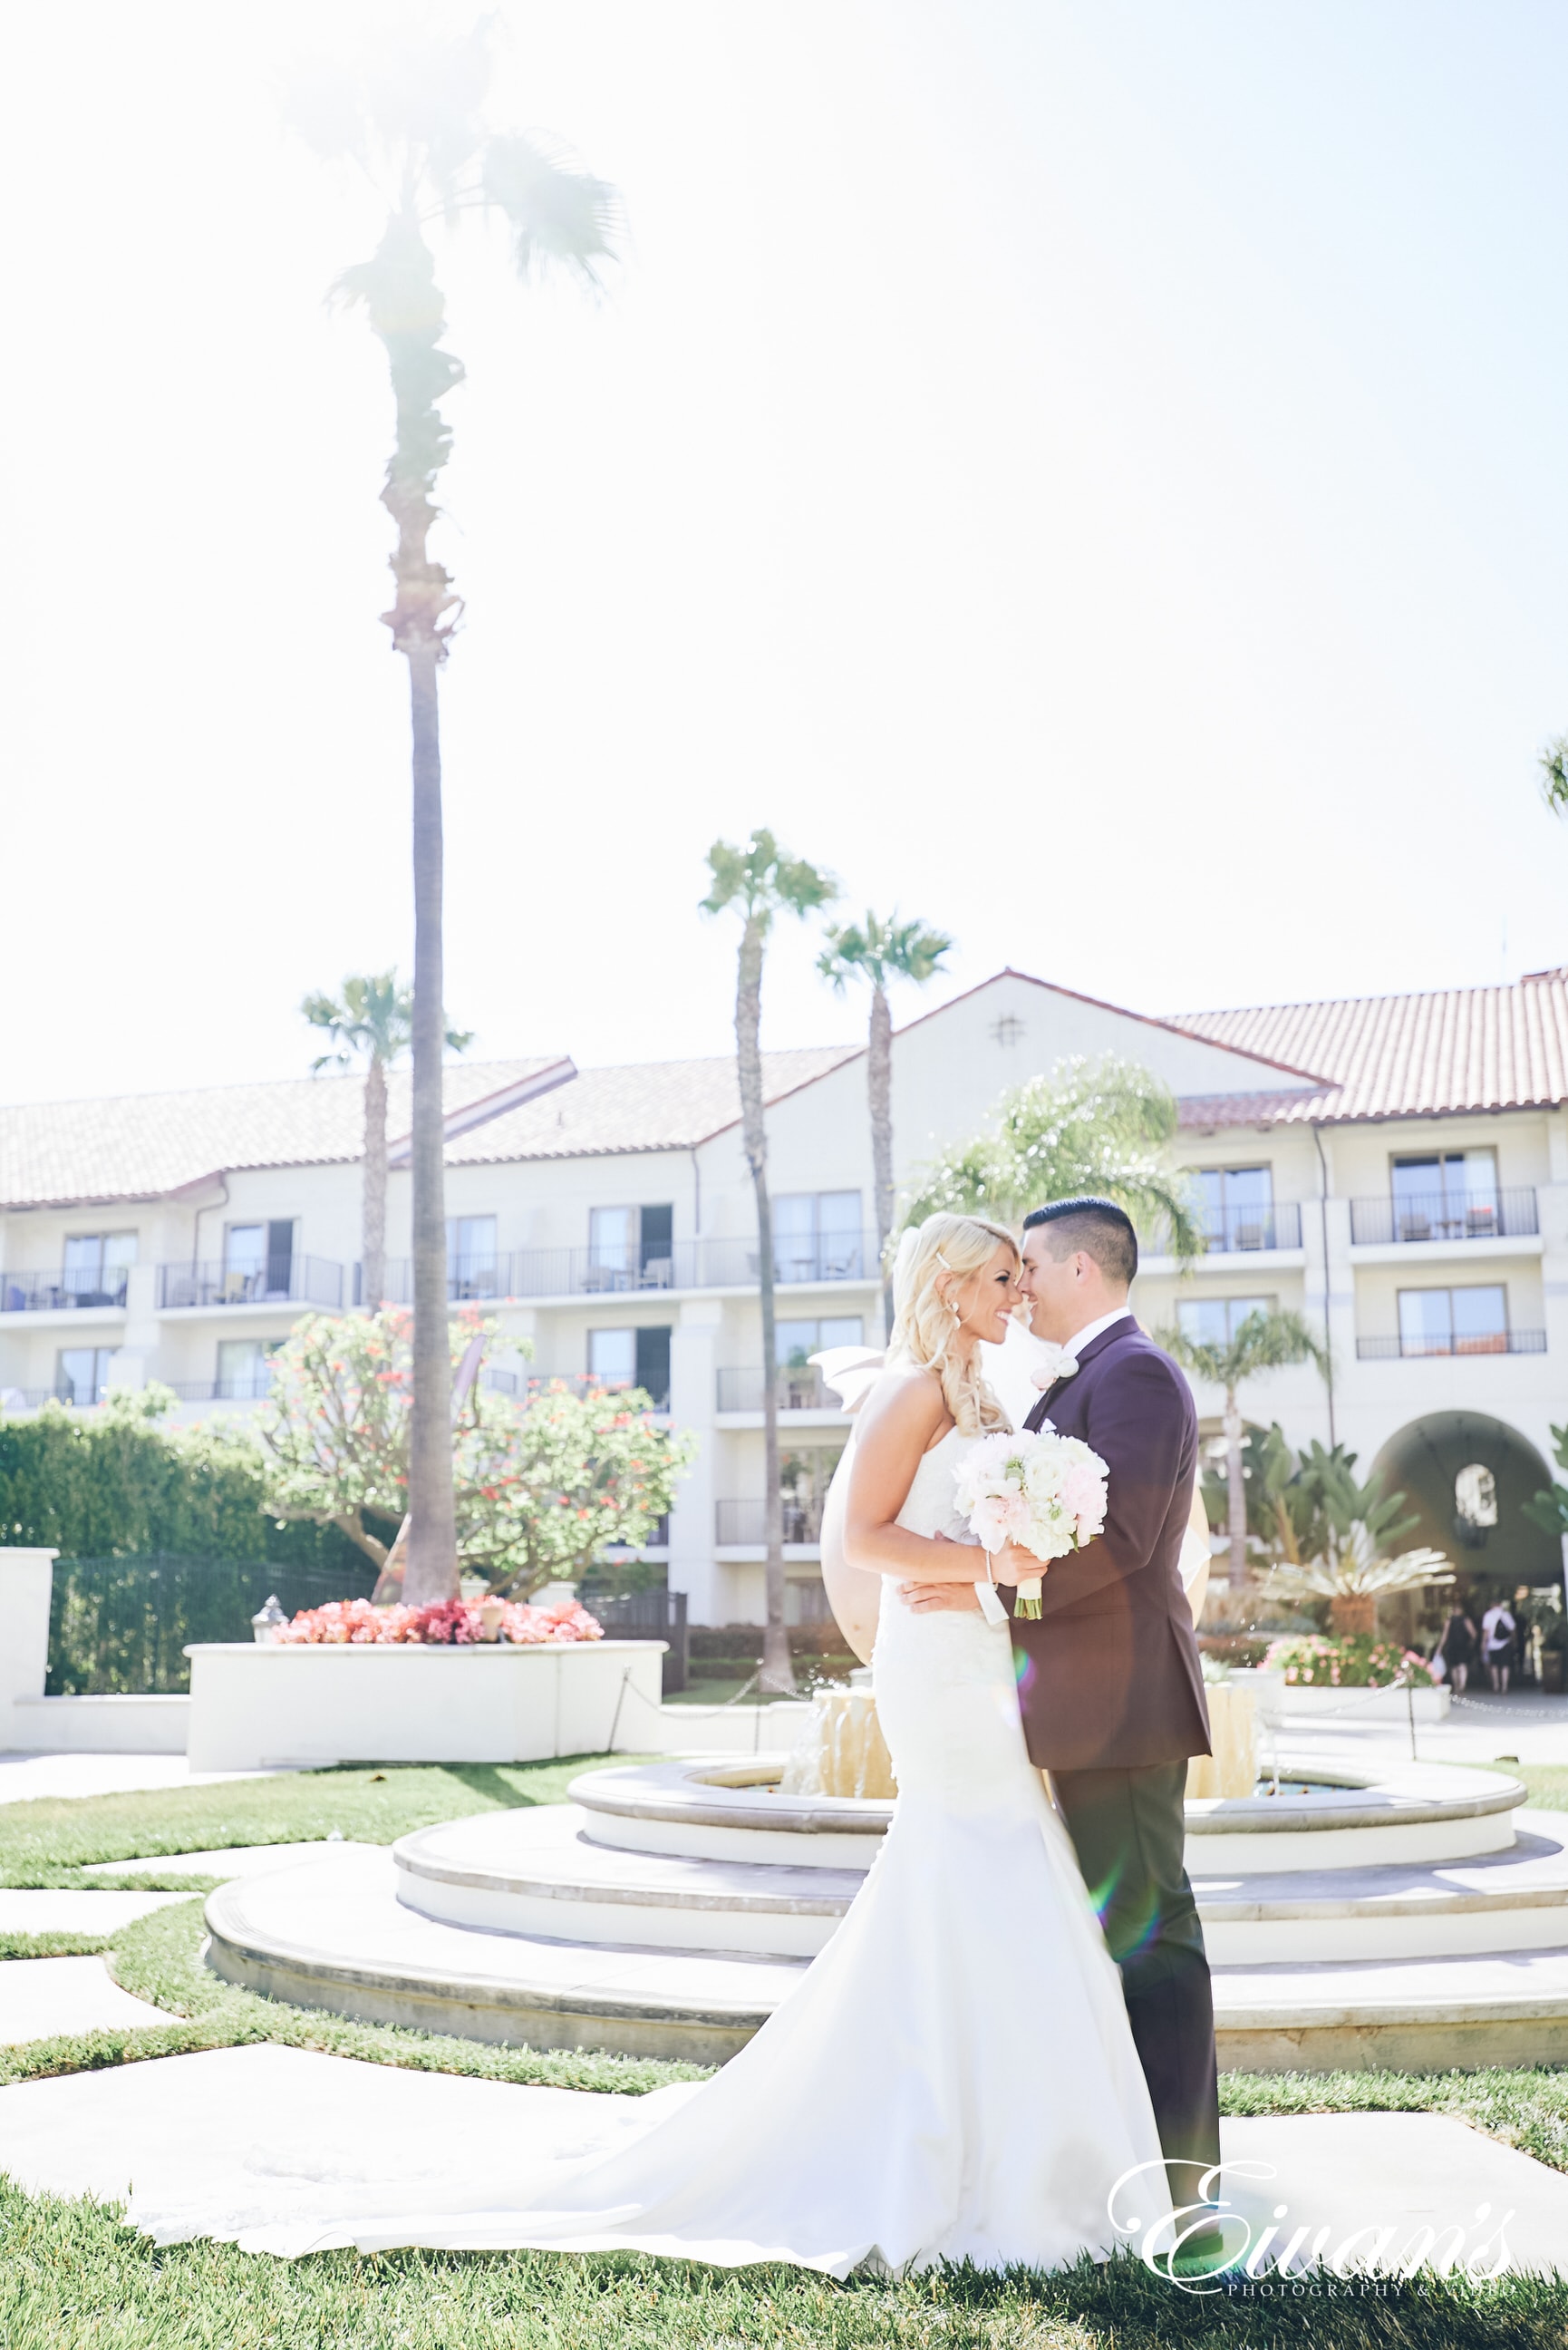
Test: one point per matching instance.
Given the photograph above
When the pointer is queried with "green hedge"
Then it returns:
(117, 1481)
(117, 1627)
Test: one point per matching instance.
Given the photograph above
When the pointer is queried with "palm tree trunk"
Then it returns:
(879, 1087)
(373, 1237)
(431, 1572)
(1235, 1492)
(777, 1673)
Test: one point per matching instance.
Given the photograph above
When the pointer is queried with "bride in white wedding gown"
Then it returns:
(953, 2078)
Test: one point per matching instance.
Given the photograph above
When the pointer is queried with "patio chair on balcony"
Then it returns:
(659, 1272)
(1480, 1222)
(1251, 1236)
(601, 1277)
(1415, 1226)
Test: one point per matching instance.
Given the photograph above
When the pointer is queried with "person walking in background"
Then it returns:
(1498, 1631)
(1458, 1647)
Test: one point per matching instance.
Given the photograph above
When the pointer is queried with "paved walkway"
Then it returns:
(23, 1776)
(74, 1913)
(217, 2144)
(41, 1997)
(1480, 1729)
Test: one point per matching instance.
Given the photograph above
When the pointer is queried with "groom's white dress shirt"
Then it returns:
(1080, 1339)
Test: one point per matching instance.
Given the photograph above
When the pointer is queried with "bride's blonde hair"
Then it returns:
(935, 1261)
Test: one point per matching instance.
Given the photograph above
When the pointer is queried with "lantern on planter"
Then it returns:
(267, 1623)
(491, 1616)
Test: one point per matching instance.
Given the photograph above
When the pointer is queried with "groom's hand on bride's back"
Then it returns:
(933, 1598)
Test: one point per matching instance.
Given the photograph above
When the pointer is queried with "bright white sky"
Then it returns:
(1092, 471)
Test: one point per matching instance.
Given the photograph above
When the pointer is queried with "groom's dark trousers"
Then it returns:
(1111, 1691)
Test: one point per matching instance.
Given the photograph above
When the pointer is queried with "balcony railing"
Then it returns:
(1440, 1216)
(34, 1399)
(46, 1292)
(1489, 1342)
(469, 1280)
(240, 1387)
(283, 1281)
(745, 1522)
(742, 1390)
(1237, 1231)
(607, 1272)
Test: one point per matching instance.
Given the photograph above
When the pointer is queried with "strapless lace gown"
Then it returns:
(952, 2078)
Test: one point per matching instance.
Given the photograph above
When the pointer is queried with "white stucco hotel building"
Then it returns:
(1394, 1168)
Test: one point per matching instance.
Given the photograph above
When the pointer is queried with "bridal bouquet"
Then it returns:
(1044, 1492)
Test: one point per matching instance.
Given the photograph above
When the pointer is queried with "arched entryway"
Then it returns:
(1467, 1477)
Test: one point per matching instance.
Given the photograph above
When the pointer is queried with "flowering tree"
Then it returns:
(541, 1489)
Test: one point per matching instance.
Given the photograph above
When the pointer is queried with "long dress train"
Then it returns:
(952, 2078)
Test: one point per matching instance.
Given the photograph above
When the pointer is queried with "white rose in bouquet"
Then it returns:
(1046, 1492)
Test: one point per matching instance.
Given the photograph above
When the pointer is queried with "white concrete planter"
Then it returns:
(252, 1706)
(101, 1725)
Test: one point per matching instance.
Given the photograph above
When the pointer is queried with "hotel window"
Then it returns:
(81, 1374)
(817, 1236)
(632, 1247)
(1446, 1195)
(795, 1343)
(258, 1261)
(471, 1265)
(635, 1358)
(1453, 1321)
(96, 1267)
(1237, 1206)
(1214, 1321)
(243, 1370)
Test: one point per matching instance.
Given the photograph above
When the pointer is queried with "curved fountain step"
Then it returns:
(1403, 2015)
(333, 1934)
(535, 1873)
(1506, 1901)
(732, 1809)
(727, 1807)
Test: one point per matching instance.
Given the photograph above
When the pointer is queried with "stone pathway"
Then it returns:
(228, 1860)
(42, 1997)
(23, 1776)
(74, 1913)
(217, 2143)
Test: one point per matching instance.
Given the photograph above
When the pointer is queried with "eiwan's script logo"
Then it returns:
(1256, 2243)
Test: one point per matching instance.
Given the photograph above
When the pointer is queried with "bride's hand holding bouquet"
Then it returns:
(1042, 1495)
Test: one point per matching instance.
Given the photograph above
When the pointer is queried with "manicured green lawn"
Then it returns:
(1547, 1782)
(70, 2279)
(69, 2275)
(43, 1841)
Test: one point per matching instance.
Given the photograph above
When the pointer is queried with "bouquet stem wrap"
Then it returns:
(1044, 1494)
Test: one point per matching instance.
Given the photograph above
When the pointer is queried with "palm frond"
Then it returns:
(560, 216)
(1352, 1567)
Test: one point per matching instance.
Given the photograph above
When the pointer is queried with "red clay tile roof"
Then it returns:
(1465, 1048)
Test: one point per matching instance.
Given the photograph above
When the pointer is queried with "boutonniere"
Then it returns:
(1064, 1368)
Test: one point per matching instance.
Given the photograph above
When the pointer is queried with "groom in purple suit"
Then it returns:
(1110, 1685)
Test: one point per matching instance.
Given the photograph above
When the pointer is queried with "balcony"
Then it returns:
(1489, 1342)
(35, 1399)
(1442, 1216)
(282, 1280)
(242, 1386)
(616, 1272)
(742, 1390)
(55, 1293)
(1234, 1232)
(745, 1523)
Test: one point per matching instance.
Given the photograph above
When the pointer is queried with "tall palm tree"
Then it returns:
(758, 882)
(1267, 1340)
(373, 1022)
(881, 951)
(412, 119)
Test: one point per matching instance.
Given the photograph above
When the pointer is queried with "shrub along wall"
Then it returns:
(119, 1481)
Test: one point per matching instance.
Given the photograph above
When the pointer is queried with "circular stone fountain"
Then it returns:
(1414, 1918)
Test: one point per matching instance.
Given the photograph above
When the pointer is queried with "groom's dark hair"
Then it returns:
(1098, 1227)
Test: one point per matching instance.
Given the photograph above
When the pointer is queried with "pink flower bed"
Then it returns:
(445, 1623)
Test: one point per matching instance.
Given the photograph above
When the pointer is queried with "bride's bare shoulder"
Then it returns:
(906, 1404)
